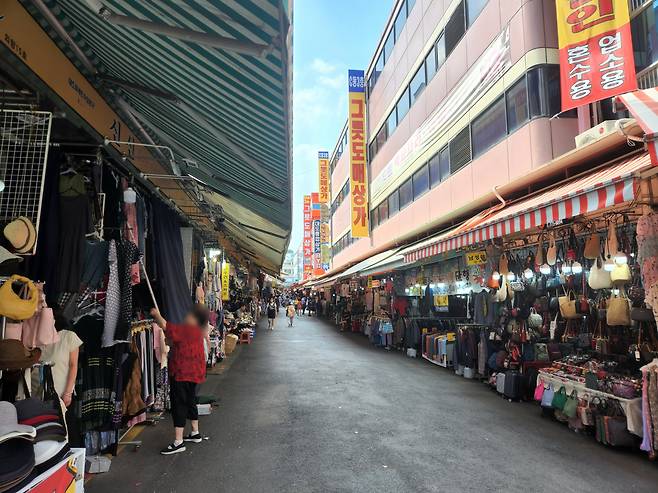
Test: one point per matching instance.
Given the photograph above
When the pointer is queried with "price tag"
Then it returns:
(637, 355)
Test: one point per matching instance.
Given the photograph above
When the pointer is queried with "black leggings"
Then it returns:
(183, 402)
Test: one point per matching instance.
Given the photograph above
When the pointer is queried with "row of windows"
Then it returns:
(342, 195)
(461, 19)
(344, 241)
(340, 148)
(393, 36)
(535, 94)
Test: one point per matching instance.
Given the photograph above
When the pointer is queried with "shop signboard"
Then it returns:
(596, 50)
(308, 238)
(323, 173)
(226, 277)
(357, 142)
(441, 302)
(476, 258)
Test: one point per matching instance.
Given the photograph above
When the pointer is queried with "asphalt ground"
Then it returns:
(310, 409)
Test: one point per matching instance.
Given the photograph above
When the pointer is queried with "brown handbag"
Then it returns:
(619, 311)
(503, 264)
(551, 253)
(568, 305)
(592, 246)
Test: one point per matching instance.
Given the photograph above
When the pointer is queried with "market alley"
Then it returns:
(310, 409)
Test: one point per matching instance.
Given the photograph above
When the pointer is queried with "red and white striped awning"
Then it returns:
(604, 188)
(643, 105)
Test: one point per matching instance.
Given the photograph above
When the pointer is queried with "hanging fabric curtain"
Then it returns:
(174, 289)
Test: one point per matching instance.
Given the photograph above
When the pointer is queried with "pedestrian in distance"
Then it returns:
(290, 313)
(187, 369)
(271, 314)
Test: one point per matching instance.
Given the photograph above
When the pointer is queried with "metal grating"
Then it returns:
(24, 139)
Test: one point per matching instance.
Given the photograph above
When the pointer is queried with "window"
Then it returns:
(383, 211)
(552, 83)
(374, 217)
(444, 162)
(379, 66)
(403, 105)
(421, 181)
(417, 84)
(435, 170)
(455, 28)
(489, 128)
(410, 5)
(388, 45)
(399, 21)
(473, 9)
(381, 138)
(535, 92)
(393, 204)
(645, 38)
(392, 122)
(440, 50)
(460, 150)
(430, 65)
(373, 149)
(517, 105)
(406, 194)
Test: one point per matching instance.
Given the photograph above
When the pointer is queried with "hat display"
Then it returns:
(47, 450)
(43, 417)
(9, 426)
(6, 255)
(15, 356)
(16, 462)
(21, 234)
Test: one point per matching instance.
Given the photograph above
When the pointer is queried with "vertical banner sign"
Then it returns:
(316, 217)
(596, 50)
(357, 141)
(226, 274)
(323, 173)
(308, 238)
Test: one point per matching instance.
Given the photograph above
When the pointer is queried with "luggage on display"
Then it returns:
(500, 383)
(512, 388)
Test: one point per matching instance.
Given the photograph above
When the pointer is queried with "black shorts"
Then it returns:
(183, 402)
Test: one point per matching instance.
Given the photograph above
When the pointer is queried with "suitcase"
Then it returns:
(500, 383)
(512, 385)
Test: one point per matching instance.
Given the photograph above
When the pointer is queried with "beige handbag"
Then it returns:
(501, 294)
(539, 256)
(599, 278)
(551, 254)
(503, 264)
(621, 274)
(612, 243)
(592, 246)
(568, 305)
(619, 311)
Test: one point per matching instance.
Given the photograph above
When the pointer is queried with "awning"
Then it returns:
(387, 265)
(606, 187)
(368, 263)
(643, 105)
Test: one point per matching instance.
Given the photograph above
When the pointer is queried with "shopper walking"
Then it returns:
(187, 369)
(271, 314)
(290, 313)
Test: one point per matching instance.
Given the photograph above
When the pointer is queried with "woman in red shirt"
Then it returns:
(187, 369)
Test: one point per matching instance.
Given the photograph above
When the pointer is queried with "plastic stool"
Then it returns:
(245, 338)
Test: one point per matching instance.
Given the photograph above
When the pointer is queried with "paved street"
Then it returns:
(308, 409)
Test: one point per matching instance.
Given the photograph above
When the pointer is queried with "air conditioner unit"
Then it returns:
(603, 129)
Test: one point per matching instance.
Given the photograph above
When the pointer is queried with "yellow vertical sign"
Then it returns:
(323, 173)
(226, 274)
(357, 143)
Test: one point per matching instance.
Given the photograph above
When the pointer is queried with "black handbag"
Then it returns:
(642, 314)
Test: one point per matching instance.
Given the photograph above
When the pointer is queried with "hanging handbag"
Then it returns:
(621, 274)
(612, 243)
(568, 305)
(547, 397)
(559, 399)
(539, 390)
(539, 256)
(570, 408)
(535, 320)
(599, 278)
(14, 306)
(636, 292)
(592, 248)
(501, 294)
(599, 341)
(591, 380)
(551, 253)
(619, 311)
(642, 314)
(541, 352)
(503, 264)
(39, 330)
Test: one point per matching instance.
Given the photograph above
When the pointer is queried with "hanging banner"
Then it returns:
(323, 173)
(226, 277)
(357, 141)
(596, 50)
(308, 238)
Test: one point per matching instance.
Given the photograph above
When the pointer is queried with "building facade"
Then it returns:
(463, 97)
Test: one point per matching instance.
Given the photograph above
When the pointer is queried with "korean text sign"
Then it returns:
(357, 143)
(323, 171)
(226, 272)
(596, 50)
(308, 237)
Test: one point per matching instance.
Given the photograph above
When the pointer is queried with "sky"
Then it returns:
(329, 37)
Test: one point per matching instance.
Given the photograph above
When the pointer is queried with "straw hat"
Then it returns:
(21, 234)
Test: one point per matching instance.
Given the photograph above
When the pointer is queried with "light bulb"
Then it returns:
(406, 290)
(621, 258)
(545, 269)
(511, 276)
(441, 285)
(609, 265)
(417, 285)
(495, 276)
(528, 274)
(566, 269)
(577, 268)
